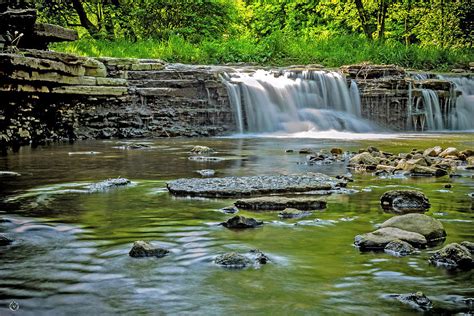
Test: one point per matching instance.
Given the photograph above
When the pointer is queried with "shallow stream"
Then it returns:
(70, 254)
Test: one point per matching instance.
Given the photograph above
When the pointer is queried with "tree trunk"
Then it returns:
(381, 19)
(85, 22)
(363, 18)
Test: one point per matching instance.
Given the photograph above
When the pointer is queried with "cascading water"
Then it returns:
(462, 118)
(292, 102)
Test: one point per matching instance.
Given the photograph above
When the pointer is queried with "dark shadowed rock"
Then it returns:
(416, 300)
(429, 227)
(230, 210)
(399, 248)
(380, 238)
(241, 222)
(145, 249)
(453, 256)
(108, 184)
(405, 201)
(252, 186)
(4, 240)
(293, 213)
(277, 203)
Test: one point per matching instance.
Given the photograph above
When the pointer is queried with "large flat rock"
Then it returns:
(252, 186)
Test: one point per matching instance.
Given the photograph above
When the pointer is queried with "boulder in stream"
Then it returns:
(431, 228)
(364, 158)
(453, 256)
(380, 238)
(433, 151)
(201, 150)
(405, 201)
(233, 260)
(239, 222)
(4, 240)
(278, 203)
(142, 249)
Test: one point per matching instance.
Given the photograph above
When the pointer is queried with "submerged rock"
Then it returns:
(145, 249)
(254, 185)
(205, 159)
(241, 222)
(233, 260)
(380, 238)
(238, 261)
(201, 150)
(108, 184)
(293, 213)
(453, 256)
(4, 240)
(431, 228)
(277, 203)
(399, 248)
(405, 201)
(416, 300)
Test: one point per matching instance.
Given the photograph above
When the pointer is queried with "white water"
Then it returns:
(308, 101)
(463, 116)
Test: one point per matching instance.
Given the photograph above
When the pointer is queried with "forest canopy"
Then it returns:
(254, 27)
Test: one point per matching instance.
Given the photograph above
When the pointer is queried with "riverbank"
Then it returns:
(279, 50)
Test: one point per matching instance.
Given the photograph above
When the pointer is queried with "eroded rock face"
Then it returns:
(145, 249)
(277, 203)
(399, 248)
(239, 222)
(416, 300)
(453, 256)
(380, 238)
(4, 240)
(405, 201)
(253, 186)
(429, 227)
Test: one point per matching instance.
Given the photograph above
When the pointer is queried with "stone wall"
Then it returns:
(53, 96)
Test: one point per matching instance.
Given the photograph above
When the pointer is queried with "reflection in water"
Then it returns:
(70, 254)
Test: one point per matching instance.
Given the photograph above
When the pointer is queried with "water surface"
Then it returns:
(71, 250)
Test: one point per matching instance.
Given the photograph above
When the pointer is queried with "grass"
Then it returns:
(278, 49)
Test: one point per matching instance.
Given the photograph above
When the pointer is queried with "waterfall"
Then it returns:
(462, 118)
(294, 102)
(434, 118)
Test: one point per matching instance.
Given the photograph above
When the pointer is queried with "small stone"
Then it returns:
(230, 210)
(336, 151)
(448, 186)
(292, 213)
(372, 149)
(453, 256)
(145, 249)
(399, 248)
(289, 151)
(416, 300)
(201, 150)
(240, 222)
(306, 151)
(232, 260)
(4, 240)
(206, 172)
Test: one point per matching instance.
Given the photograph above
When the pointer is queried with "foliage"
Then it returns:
(413, 33)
